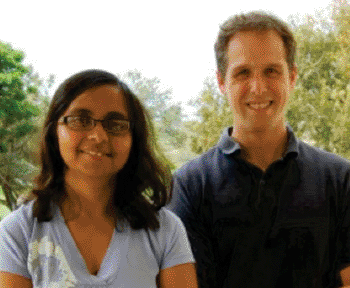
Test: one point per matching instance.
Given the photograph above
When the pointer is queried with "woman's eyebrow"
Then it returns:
(116, 115)
(109, 115)
(81, 111)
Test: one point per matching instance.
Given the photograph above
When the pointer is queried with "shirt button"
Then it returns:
(269, 193)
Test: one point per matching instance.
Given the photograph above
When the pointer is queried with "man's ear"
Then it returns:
(221, 82)
(293, 75)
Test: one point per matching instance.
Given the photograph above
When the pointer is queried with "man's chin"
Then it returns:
(256, 127)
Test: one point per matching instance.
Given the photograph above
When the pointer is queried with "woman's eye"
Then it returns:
(117, 126)
(84, 121)
(80, 121)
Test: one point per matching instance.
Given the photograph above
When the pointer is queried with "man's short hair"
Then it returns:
(253, 21)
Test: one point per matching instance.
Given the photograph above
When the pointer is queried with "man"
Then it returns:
(262, 208)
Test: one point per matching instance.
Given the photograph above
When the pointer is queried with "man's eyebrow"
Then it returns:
(240, 67)
(278, 65)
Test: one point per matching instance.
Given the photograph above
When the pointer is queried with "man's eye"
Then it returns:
(242, 73)
(271, 71)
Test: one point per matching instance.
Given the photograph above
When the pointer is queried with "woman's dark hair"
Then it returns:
(145, 178)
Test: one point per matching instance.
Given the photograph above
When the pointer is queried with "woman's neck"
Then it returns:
(88, 196)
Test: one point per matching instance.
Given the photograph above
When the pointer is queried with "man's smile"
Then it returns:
(259, 105)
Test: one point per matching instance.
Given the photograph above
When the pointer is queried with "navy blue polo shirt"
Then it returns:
(287, 226)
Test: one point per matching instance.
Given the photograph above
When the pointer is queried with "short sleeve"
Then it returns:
(14, 238)
(176, 246)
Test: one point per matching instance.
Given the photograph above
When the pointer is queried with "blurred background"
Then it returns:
(164, 51)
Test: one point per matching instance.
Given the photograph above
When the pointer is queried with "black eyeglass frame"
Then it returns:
(94, 122)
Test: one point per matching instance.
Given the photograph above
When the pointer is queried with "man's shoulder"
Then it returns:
(318, 156)
(200, 164)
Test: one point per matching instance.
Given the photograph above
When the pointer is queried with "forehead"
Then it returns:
(256, 47)
(99, 102)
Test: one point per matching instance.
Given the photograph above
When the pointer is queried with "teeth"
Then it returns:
(94, 153)
(259, 106)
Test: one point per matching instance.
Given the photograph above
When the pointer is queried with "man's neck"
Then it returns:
(262, 147)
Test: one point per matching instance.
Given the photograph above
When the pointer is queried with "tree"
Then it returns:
(41, 100)
(17, 121)
(155, 97)
(165, 112)
(170, 126)
(214, 115)
(319, 108)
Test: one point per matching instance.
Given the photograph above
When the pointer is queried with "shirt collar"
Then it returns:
(229, 146)
(293, 143)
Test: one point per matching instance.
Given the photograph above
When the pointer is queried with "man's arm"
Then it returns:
(344, 239)
(186, 203)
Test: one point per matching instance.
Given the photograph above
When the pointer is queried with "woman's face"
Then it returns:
(95, 153)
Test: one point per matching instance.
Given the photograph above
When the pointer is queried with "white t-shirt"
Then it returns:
(47, 254)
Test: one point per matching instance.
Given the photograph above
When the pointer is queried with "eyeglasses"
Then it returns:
(84, 123)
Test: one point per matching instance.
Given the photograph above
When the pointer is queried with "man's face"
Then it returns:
(257, 81)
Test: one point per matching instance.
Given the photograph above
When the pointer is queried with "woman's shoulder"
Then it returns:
(22, 218)
(168, 222)
(15, 234)
(174, 247)
(170, 226)
(168, 219)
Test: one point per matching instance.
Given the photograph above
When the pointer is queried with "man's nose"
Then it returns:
(258, 85)
(98, 133)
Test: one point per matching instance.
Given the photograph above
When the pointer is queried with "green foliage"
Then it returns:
(318, 110)
(19, 114)
(15, 111)
(150, 91)
(3, 208)
(341, 24)
(171, 123)
(166, 114)
(214, 115)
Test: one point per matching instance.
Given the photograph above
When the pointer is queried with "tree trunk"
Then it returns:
(10, 199)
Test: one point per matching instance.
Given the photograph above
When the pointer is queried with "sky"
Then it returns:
(170, 40)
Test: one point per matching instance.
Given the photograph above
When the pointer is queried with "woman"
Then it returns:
(96, 218)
